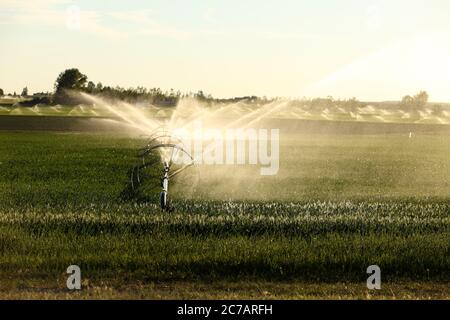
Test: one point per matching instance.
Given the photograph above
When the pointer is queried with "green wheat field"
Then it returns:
(339, 203)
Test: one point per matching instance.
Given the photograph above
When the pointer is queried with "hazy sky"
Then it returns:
(373, 50)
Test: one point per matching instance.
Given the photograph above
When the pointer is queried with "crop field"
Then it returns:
(367, 113)
(339, 203)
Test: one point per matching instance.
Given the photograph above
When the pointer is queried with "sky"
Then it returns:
(368, 49)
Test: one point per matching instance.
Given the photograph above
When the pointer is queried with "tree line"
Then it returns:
(23, 94)
(72, 80)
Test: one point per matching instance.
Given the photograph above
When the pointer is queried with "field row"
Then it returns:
(237, 218)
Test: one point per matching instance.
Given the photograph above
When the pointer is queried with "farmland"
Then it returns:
(340, 203)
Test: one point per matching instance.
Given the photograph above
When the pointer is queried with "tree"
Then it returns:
(24, 92)
(421, 99)
(99, 86)
(352, 104)
(90, 87)
(1, 92)
(200, 96)
(415, 103)
(70, 79)
(407, 101)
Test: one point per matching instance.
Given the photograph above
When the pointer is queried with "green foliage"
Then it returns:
(24, 92)
(70, 79)
(90, 87)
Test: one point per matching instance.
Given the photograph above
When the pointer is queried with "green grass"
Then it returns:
(338, 205)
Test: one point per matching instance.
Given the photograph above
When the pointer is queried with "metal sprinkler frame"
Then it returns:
(163, 142)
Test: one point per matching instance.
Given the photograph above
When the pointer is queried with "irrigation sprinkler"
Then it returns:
(163, 149)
